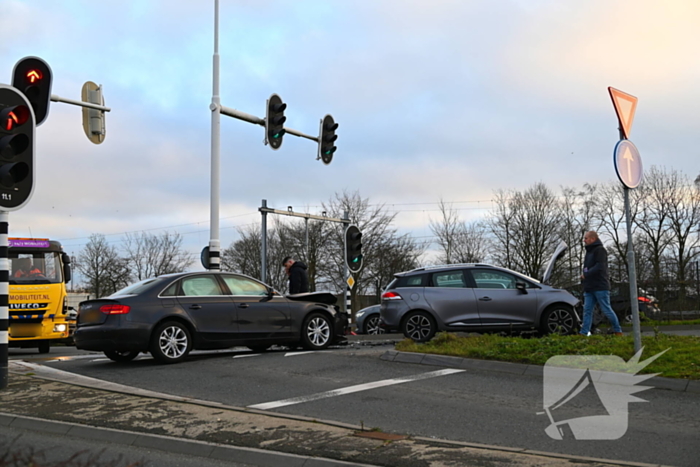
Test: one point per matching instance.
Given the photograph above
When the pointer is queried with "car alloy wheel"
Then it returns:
(121, 355)
(558, 320)
(372, 325)
(316, 334)
(171, 342)
(419, 327)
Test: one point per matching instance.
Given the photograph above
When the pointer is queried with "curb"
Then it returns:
(658, 382)
(258, 457)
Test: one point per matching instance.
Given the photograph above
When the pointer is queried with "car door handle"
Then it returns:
(485, 299)
(195, 307)
(242, 305)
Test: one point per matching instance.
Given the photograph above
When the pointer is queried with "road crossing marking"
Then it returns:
(351, 389)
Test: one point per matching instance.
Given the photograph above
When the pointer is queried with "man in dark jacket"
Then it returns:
(298, 279)
(596, 285)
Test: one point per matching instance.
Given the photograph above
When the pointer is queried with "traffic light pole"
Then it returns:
(264, 210)
(4, 299)
(214, 263)
(55, 98)
(237, 114)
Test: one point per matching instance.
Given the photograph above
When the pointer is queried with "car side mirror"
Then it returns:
(521, 286)
(270, 294)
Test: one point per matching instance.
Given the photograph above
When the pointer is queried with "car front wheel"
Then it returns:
(558, 320)
(317, 332)
(372, 325)
(171, 342)
(419, 327)
(120, 355)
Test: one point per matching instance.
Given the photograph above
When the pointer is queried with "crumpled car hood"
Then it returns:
(318, 297)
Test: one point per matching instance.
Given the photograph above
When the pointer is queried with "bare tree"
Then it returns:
(151, 255)
(684, 222)
(653, 222)
(449, 230)
(293, 236)
(577, 218)
(526, 226)
(379, 239)
(460, 242)
(501, 226)
(611, 219)
(105, 271)
(244, 256)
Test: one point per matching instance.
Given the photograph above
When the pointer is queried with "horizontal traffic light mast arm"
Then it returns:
(56, 98)
(304, 215)
(229, 112)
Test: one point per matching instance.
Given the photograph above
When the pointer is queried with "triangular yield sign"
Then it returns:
(625, 105)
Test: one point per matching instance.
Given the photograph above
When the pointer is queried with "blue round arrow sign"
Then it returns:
(628, 163)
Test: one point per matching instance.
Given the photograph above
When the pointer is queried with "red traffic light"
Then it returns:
(33, 77)
(12, 117)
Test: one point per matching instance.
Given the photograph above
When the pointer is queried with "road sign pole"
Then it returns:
(634, 301)
(632, 269)
(625, 107)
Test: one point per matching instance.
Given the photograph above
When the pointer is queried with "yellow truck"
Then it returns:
(38, 312)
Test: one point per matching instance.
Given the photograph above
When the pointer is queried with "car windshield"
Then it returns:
(135, 289)
(35, 268)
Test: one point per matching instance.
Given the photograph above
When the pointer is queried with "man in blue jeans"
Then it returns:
(596, 286)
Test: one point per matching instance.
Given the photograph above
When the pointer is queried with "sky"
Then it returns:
(435, 99)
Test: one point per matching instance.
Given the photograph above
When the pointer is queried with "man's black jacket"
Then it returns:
(298, 280)
(595, 268)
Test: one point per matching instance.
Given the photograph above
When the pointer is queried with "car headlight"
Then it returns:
(60, 328)
(360, 313)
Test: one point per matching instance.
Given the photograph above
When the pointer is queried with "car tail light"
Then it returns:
(643, 299)
(391, 296)
(115, 309)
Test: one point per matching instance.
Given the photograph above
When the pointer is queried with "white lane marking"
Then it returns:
(305, 352)
(351, 389)
(247, 355)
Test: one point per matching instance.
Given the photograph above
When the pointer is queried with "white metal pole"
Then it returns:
(214, 242)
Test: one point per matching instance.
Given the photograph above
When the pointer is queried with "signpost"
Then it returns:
(628, 165)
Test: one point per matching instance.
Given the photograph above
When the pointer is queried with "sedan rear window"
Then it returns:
(135, 289)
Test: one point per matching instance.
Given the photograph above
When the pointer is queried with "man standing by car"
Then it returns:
(596, 285)
(298, 279)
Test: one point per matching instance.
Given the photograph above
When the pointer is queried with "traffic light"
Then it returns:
(16, 149)
(274, 121)
(353, 248)
(33, 77)
(326, 139)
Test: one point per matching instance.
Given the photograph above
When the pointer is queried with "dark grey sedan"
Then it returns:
(170, 315)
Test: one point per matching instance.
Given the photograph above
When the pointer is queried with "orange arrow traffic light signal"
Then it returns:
(32, 76)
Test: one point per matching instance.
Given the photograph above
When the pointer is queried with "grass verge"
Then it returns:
(682, 360)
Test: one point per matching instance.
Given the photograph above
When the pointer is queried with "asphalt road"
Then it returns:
(353, 385)
(21, 446)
